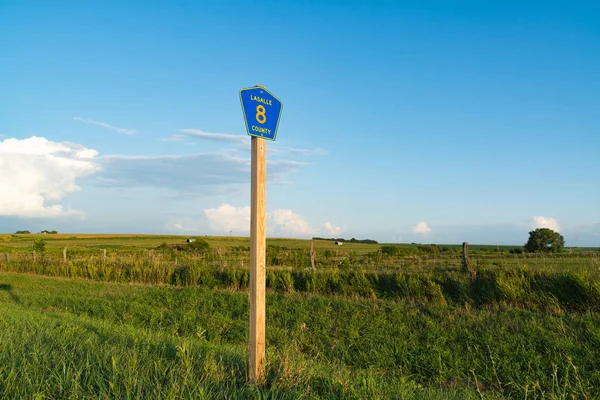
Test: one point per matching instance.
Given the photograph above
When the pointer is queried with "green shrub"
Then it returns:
(281, 281)
(305, 281)
(359, 284)
(198, 246)
(457, 289)
(430, 249)
(206, 278)
(181, 276)
(39, 245)
(390, 250)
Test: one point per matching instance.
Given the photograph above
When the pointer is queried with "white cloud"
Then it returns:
(35, 172)
(297, 152)
(105, 125)
(243, 141)
(421, 228)
(330, 229)
(180, 227)
(175, 138)
(545, 222)
(240, 140)
(280, 222)
(287, 222)
(227, 218)
(206, 173)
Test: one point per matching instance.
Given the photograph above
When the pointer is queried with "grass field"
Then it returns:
(148, 322)
(60, 241)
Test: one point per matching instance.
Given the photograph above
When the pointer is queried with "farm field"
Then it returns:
(124, 241)
(261, 161)
(157, 317)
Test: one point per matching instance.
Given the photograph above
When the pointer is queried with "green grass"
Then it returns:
(569, 288)
(406, 322)
(233, 252)
(69, 338)
(59, 241)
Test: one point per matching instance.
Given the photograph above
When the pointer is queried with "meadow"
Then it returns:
(134, 316)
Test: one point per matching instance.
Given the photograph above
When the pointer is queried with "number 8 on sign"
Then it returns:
(261, 117)
(257, 102)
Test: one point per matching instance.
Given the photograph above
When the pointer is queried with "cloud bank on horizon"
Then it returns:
(226, 217)
(37, 175)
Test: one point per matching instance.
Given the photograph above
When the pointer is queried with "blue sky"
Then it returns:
(420, 121)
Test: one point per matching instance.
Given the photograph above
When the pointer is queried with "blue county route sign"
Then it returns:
(262, 111)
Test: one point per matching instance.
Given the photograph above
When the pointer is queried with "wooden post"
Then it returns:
(258, 175)
(220, 259)
(312, 256)
(104, 256)
(65, 255)
(466, 262)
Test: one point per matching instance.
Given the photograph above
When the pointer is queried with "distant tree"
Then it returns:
(22, 232)
(353, 240)
(544, 240)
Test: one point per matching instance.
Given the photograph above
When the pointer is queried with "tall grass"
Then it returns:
(64, 338)
(526, 287)
(373, 325)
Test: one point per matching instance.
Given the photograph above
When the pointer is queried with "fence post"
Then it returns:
(312, 256)
(220, 259)
(466, 262)
(65, 255)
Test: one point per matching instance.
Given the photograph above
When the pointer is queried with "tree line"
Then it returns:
(25, 232)
(353, 240)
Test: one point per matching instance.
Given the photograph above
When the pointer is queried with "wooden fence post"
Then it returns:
(466, 262)
(312, 256)
(220, 259)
